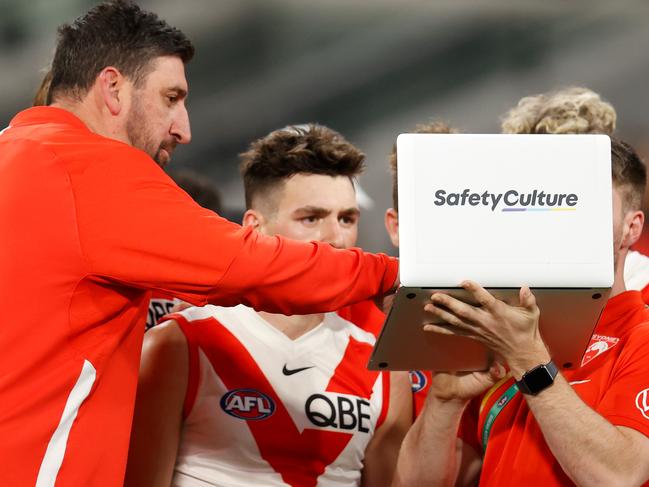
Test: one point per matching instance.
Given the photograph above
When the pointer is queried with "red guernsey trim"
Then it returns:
(300, 458)
(385, 404)
(193, 376)
(351, 376)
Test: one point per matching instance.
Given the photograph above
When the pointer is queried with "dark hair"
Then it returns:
(434, 127)
(629, 174)
(116, 33)
(199, 188)
(304, 149)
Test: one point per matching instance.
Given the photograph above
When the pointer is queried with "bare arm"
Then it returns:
(382, 451)
(157, 419)
(589, 448)
(431, 453)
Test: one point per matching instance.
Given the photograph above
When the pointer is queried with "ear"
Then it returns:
(252, 218)
(110, 83)
(392, 225)
(633, 223)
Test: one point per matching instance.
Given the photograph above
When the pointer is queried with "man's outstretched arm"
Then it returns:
(141, 229)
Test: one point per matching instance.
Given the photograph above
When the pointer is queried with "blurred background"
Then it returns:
(370, 69)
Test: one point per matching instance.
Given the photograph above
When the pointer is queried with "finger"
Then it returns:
(447, 316)
(485, 299)
(527, 299)
(446, 329)
(497, 371)
(464, 311)
(442, 330)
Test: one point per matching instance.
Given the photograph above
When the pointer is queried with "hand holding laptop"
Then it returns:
(509, 330)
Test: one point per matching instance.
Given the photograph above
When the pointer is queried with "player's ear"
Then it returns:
(110, 83)
(392, 225)
(252, 218)
(633, 223)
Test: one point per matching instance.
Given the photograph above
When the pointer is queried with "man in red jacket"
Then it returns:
(81, 200)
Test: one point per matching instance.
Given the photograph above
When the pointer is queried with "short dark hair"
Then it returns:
(434, 127)
(302, 149)
(116, 33)
(629, 174)
(202, 190)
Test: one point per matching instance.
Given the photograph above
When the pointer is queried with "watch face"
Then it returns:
(538, 379)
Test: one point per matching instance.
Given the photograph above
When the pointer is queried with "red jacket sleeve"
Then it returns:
(138, 228)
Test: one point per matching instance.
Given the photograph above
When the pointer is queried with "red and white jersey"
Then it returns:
(263, 409)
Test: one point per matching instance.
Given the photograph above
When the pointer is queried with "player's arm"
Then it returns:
(590, 449)
(382, 451)
(432, 454)
(139, 228)
(157, 420)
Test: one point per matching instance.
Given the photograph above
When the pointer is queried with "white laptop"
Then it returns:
(504, 211)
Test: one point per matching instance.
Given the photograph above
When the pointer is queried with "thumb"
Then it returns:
(497, 371)
(527, 299)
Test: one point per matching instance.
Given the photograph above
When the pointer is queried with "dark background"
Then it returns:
(369, 69)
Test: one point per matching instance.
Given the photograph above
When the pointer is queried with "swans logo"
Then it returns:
(642, 402)
(598, 345)
(248, 404)
(511, 200)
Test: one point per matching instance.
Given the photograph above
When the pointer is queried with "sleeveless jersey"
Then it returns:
(263, 409)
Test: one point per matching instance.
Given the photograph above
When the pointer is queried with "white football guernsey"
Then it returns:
(262, 409)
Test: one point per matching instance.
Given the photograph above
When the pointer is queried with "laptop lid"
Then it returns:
(502, 210)
(505, 210)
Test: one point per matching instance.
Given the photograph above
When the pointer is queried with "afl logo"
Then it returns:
(248, 404)
(417, 380)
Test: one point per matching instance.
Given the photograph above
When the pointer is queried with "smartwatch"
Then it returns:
(539, 378)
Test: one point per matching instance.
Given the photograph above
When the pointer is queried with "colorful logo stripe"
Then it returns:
(539, 209)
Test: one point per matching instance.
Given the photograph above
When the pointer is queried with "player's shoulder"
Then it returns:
(635, 345)
(212, 312)
(342, 325)
(639, 334)
(166, 337)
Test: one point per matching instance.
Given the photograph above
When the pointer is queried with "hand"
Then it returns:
(463, 386)
(510, 331)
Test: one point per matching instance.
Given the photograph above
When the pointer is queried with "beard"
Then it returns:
(141, 138)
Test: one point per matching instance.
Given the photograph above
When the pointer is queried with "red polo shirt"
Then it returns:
(613, 380)
(83, 238)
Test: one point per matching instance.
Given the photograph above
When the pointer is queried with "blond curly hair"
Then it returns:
(574, 110)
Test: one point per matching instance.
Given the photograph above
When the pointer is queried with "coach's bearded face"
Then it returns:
(140, 133)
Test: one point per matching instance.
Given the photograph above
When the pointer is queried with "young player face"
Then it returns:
(158, 118)
(315, 207)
